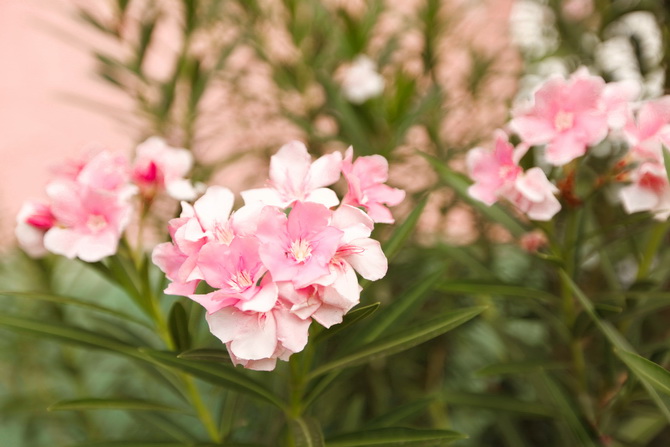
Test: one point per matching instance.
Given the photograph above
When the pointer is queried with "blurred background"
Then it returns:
(417, 81)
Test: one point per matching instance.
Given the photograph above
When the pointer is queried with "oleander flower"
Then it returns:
(649, 130)
(32, 222)
(294, 177)
(89, 221)
(298, 247)
(158, 166)
(649, 191)
(366, 178)
(534, 195)
(566, 115)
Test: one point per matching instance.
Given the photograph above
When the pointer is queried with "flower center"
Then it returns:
(564, 120)
(241, 281)
(223, 234)
(507, 172)
(653, 182)
(96, 223)
(301, 250)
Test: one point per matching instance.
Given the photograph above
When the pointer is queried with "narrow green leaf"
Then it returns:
(306, 432)
(499, 403)
(519, 367)
(459, 183)
(395, 437)
(403, 231)
(111, 404)
(222, 375)
(71, 301)
(210, 355)
(387, 317)
(68, 334)
(666, 161)
(349, 319)
(159, 444)
(479, 288)
(178, 325)
(399, 342)
(647, 370)
(400, 413)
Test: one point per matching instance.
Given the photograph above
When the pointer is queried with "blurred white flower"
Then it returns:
(361, 81)
(532, 28)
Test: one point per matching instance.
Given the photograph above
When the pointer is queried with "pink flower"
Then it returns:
(32, 222)
(90, 221)
(333, 295)
(300, 247)
(293, 177)
(649, 191)
(366, 177)
(235, 270)
(107, 172)
(256, 339)
(160, 167)
(567, 115)
(534, 195)
(649, 130)
(493, 172)
(617, 100)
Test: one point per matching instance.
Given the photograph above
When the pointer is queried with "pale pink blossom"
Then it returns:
(649, 130)
(256, 339)
(294, 177)
(366, 178)
(567, 115)
(361, 81)
(649, 191)
(300, 247)
(178, 259)
(159, 167)
(493, 171)
(90, 221)
(235, 270)
(107, 171)
(617, 100)
(534, 195)
(32, 222)
(333, 295)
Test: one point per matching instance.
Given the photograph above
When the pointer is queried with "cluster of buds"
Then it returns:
(567, 118)
(287, 257)
(90, 201)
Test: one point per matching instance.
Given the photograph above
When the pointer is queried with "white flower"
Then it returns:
(362, 81)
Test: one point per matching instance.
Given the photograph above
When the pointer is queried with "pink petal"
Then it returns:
(214, 206)
(325, 171)
(371, 263)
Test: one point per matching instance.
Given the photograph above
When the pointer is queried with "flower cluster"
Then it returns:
(566, 119)
(90, 201)
(286, 257)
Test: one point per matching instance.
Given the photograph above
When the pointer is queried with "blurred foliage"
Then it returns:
(561, 352)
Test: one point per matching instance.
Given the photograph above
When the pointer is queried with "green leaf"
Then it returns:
(387, 317)
(111, 404)
(519, 367)
(71, 301)
(159, 444)
(666, 161)
(69, 334)
(306, 432)
(459, 183)
(395, 437)
(647, 370)
(499, 403)
(349, 319)
(222, 375)
(399, 342)
(209, 355)
(400, 413)
(178, 326)
(479, 288)
(403, 231)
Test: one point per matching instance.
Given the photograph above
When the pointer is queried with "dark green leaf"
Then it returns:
(399, 342)
(647, 370)
(350, 318)
(222, 375)
(111, 404)
(395, 437)
(498, 403)
(404, 230)
(479, 288)
(210, 355)
(178, 325)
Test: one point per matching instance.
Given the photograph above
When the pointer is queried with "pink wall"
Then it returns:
(42, 69)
